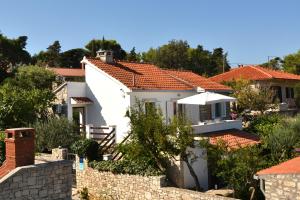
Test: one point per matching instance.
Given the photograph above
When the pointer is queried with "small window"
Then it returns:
(174, 108)
(287, 92)
(218, 110)
(292, 93)
(181, 110)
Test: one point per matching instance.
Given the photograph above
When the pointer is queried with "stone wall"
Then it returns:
(282, 186)
(52, 180)
(116, 186)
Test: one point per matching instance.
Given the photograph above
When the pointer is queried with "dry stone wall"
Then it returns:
(282, 186)
(117, 186)
(46, 181)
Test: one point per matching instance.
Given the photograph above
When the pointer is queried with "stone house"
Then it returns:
(281, 181)
(282, 83)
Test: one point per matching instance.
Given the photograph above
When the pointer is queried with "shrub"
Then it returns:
(87, 148)
(126, 167)
(55, 132)
(263, 125)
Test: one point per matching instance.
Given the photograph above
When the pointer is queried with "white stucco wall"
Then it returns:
(162, 99)
(200, 167)
(110, 101)
(74, 89)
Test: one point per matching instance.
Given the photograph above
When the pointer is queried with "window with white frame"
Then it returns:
(149, 105)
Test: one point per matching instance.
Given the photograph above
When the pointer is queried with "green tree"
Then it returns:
(133, 56)
(72, 58)
(275, 63)
(173, 55)
(200, 61)
(12, 51)
(25, 97)
(249, 98)
(291, 63)
(152, 138)
(50, 57)
(55, 132)
(94, 45)
(219, 61)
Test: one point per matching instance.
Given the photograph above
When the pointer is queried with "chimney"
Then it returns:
(19, 147)
(105, 56)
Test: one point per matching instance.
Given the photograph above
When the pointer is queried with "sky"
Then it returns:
(249, 30)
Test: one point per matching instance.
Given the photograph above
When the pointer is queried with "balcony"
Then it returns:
(217, 125)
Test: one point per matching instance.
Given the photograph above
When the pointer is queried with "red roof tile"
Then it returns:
(82, 100)
(253, 73)
(148, 76)
(196, 80)
(233, 138)
(289, 167)
(68, 72)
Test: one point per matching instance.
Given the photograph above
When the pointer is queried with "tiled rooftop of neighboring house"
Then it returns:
(149, 76)
(232, 138)
(253, 73)
(289, 167)
(68, 72)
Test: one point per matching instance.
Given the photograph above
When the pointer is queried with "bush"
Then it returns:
(55, 132)
(263, 125)
(87, 148)
(126, 167)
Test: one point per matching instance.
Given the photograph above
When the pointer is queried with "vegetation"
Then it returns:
(177, 54)
(55, 132)
(2, 147)
(86, 148)
(291, 63)
(249, 98)
(235, 167)
(151, 138)
(25, 97)
(84, 194)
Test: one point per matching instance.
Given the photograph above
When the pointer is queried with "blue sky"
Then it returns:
(249, 31)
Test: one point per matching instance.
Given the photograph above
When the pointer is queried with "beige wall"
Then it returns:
(282, 186)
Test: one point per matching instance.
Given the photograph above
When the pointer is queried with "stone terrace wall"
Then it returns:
(45, 181)
(282, 186)
(116, 186)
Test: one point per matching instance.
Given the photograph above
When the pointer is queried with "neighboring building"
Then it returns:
(282, 83)
(281, 181)
(112, 87)
(69, 74)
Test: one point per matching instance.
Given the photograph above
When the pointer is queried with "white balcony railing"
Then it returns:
(206, 127)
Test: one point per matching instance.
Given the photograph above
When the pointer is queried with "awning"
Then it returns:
(206, 98)
(81, 100)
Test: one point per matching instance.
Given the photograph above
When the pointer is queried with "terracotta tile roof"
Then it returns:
(196, 80)
(253, 73)
(68, 72)
(233, 138)
(82, 100)
(289, 167)
(149, 76)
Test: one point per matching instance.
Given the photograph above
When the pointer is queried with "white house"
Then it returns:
(112, 87)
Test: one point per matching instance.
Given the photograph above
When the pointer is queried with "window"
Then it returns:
(149, 106)
(289, 92)
(278, 94)
(181, 110)
(218, 110)
(174, 108)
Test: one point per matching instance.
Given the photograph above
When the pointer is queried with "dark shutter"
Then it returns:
(292, 92)
(287, 92)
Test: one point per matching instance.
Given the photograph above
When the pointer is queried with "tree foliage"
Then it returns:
(153, 139)
(291, 63)
(55, 132)
(12, 51)
(72, 58)
(94, 45)
(133, 56)
(250, 98)
(275, 63)
(25, 97)
(177, 54)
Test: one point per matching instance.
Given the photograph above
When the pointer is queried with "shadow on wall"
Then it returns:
(94, 115)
